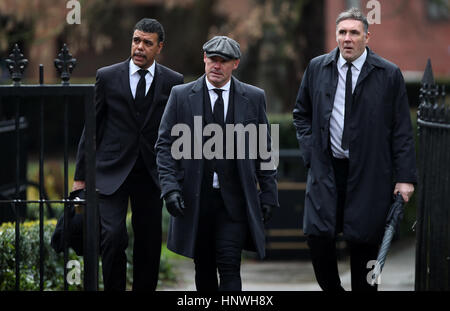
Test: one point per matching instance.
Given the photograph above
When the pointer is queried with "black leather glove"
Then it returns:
(174, 203)
(267, 212)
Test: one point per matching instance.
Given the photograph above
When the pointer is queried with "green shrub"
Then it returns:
(53, 262)
(29, 258)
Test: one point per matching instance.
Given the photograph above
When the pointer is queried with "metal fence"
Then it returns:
(433, 216)
(16, 94)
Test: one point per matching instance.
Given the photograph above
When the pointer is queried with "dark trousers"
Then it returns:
(220, 241)
(146, 207)
(323, 249)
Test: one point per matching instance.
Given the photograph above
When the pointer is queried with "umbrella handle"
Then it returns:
(398, 197)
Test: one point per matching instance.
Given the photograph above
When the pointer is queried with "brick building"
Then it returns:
(409, 33)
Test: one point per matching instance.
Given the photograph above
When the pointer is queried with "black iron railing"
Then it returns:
(16, 94)
(433, 210)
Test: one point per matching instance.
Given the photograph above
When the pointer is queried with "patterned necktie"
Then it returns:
(218, 108)
(348, 107)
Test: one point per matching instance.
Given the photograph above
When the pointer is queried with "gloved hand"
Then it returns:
(174, 203)
(267, 212)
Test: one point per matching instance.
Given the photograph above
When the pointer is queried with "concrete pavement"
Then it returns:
(298, 275)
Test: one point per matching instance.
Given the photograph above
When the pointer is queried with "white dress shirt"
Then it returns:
(338, 113)
(135, 77)
(213, 97)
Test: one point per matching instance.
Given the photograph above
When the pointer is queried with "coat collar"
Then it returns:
(238, 85)
(372, 58)
(240, 99)
(372, 61)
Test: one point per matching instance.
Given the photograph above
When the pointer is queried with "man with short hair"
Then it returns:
(130, 98)
(216, 207)
(354, 130)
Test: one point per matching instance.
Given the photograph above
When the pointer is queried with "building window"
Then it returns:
(438, 9)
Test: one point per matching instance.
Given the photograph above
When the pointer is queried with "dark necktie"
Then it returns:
(218, 108)
(140, 89)
(348, 107)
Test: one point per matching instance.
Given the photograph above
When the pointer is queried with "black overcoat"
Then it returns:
(185, 175)
(381, 149)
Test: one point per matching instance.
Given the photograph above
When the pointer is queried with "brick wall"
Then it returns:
(405, 36)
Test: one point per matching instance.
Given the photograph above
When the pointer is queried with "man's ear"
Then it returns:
(236, 64)
(367, 37)
(160, 46)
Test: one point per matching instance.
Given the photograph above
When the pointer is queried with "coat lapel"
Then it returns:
(330, 88)
(195, 98)
(125, 84)
(365, 71)
(330, 65)
(372, 61)
(240, 102)
(195, 104)
(158, 85)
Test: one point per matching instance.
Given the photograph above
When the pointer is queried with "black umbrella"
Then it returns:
(393, 219)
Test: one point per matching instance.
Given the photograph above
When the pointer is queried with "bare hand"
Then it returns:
(78, 184)
(405, 189)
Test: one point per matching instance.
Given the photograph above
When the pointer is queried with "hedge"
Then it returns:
(29, 258)
(53, 262)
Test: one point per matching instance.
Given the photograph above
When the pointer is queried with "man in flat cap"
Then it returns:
(216, 207)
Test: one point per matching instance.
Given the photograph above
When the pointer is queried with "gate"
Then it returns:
(12, 197)
(433, 210)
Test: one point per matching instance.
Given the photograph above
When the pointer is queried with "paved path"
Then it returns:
(398, 273)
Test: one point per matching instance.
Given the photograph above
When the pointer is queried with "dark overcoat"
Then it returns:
(381, 149)
(185, 175)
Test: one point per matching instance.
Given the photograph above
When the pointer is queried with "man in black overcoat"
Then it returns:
(355, 135)
(217, 209)
(130, 98)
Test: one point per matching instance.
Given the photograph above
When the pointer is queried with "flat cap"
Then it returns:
(222, 46)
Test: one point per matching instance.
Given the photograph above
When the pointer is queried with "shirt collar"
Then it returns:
(358, 63)
(134, 68)
(210, 87)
